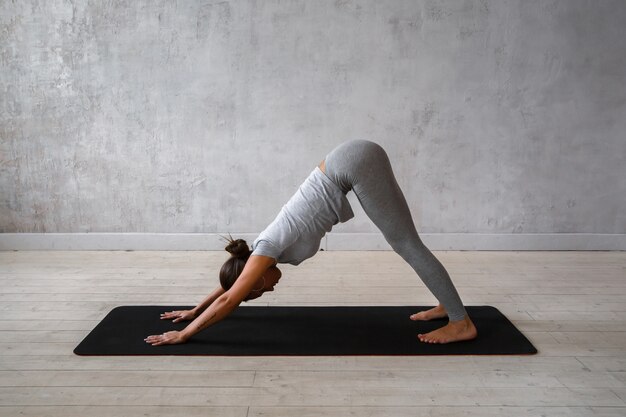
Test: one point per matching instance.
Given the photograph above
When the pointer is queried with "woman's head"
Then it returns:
(232, 268)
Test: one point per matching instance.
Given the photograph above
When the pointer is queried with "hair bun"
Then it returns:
(238, 248)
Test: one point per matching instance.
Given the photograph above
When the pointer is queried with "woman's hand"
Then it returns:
(169, 338)
(180, 315)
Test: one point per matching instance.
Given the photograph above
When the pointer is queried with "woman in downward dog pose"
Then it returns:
(296, 233)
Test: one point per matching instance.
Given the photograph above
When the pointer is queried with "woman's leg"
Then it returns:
(364, 167)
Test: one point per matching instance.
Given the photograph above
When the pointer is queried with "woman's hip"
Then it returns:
(352, 160)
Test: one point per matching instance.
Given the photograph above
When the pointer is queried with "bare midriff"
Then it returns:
(323, 166)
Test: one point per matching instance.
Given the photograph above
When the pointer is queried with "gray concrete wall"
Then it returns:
(204, 116)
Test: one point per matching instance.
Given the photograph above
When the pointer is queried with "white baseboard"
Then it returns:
(333, 241)
(486, 242)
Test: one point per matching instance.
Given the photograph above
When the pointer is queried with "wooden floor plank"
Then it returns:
(118, 411)
(467, 411)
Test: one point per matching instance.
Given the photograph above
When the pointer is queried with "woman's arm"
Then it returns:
(222, 306)
(182, 315)
(209, 300)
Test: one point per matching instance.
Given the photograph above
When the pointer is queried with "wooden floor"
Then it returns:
(571, 305)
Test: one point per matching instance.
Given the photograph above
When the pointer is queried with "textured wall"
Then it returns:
(204, 116)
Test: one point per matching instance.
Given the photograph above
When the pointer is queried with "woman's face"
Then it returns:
(266, 283)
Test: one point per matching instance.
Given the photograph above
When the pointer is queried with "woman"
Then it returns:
(295, 235)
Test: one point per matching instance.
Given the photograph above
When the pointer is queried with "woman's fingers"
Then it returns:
(152, 339)
(168, 338)
(177, 315)
(156, 340)
(170, 315)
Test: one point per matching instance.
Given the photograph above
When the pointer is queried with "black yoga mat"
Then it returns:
(305, 331)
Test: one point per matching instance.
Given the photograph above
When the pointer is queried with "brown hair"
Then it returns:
(239, 254)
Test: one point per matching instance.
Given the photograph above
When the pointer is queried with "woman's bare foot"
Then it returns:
(454, 331)
(434, 313)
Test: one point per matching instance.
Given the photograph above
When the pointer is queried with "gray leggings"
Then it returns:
(363, 167)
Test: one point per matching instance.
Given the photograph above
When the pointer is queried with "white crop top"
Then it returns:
(296, 232)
